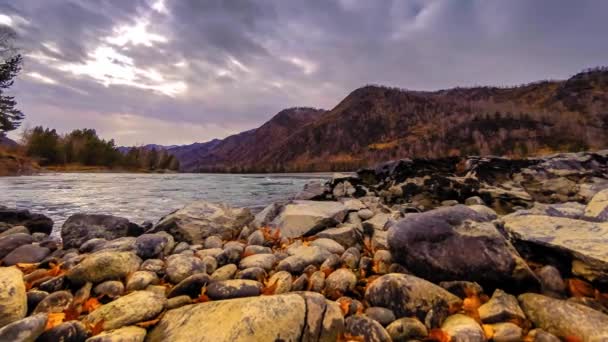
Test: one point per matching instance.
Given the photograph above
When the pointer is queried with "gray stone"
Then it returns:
(71, 331)
(380, 221)
(15, 230)
(180, 247)
(124, 334)
(463, 328)
(225, 272)
(305, 218)
(190, 286)
(13, 300)
(501, 307)
(214, 252)
(308, 255)
(213, 241)
(407, 329)
(381, 315)
(92, 245)
(179, 301)
(233, 288)
(506, 332)
(25, 330)
(329, 245)
(256, 249)
(265, 261)
(180, 266)
(230, 255)
(539, 335)
(153, 265)
(105, 265)
(28, 254)
(123, 244)
(462, 289)
(210, 264)
(317, 281)
(20, 217)
(199, 220)
(34, 297)
(256, 238)
(564, 318)
(312, 190)
(339, 283)
(382, 260)
(366, 329)
(347, 236)
(54, 303)
(11, 242)
(253, 273)
(552, 283)
(110, 289)
(135, 307)
(365, 214)
(140, 280)
(281, 282)
(149, 246)
(80, 228)
(474, 200)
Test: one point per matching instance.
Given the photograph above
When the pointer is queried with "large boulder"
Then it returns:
(13, 301)
(288, 317)
(199, 220)
(303, 218)
(584, 242)
(10, 242)
(135, 307)
(105, 265)
(565, 318)
(457, 243)
(24, 330)
(20, 217)
(80, 228)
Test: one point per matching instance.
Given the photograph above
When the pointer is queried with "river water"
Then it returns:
(141, 197)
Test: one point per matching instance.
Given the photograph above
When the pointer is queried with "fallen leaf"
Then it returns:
(27, 268)
(202, 298)
(91, 305)
(488, 331)
(346, 337)
(270, 289)
(96, 328)
(55, 270)
(438, 335)
(580, 288)
(54, 319)
(344, 304)
(470, 306)
(149, 323)
(572, 338)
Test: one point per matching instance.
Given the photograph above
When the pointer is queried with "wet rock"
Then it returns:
(366, 329)
(190, 286)
(456, 243)
(135, 307)
(597, 209)
(213, 241)
(105, 265)
(255, 249)
(281, 282)
(506, 332)
(310, 255)
(501, 307)
(54, 303)
(265, 261)
(149, 246)
(339, 283)
(552, 283)
(26, 329)
(13, 300)
(71, 331)
(153, 265)
(462, 289)
(463, 328)
(313, 190)
(20, 217)
(80, 228)
(407, 295)
(140, 280)
(288, 317)
(383, 316)
(124, 334)
(28, 254)
(180, 266)
(305, 218)
(253, 273)
(225, 272)
(329, 245)
(256, 238)
(10, 242)
(564, 318)
(347, 236)
(110, 289)
(234, 288)
(199, 220)
(15, 230)
(406, 329)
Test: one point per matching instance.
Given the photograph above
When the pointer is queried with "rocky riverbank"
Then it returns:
(477, 249)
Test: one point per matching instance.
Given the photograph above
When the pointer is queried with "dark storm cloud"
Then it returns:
(204, 69)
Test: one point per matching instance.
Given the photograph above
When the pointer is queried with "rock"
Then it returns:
(233, 288)
(15, 230)
(343, 189)
(253, 273)
(13, 301)
(330, 264)
(140, 280)
(329, 245)
(590, 302)
(597, 209)
(313, 190)
(552, 283)
(281, 282)
(213, 241)
(199, 220)
(210, 264)
(230, 255)
(365, 214)
(506, 332)
(54, 303)
(383, 316)
(256, 238)
(135, 307)
(153, 265)
(80, 228)
(33, 298)
(179, 301)
(456, 243)
(474, 200)
(190, 286)
(406, 329)
(225, 272)
(71, 331)
(19, 217)
(380, 240)
(124, 334)
(53, 284)
(380, 221)
(180, 266)
(26, 329)
(180, 247)
(317, 282)
(288, 317)
(92, 245)
(382, 260)
(28, 254)
(305, 218)
(11, 242)
(462, 289)
(366, 329)
(105, 265)
(339, 283)
(407, 295)
(123, 244)
(149, 246)
(539, 335)
(300, 284)
(501, 307)
(583, 241)
(43, 240)
(265, 261)
(110, 288)
(347, 236)
(463, 328)
(256, 249)
(564, 318)
(305, 256)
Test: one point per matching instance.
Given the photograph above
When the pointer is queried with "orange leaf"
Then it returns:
(270, 289)
(54, 319)
(96, 328)
(72, 312)
(27, 268)
(346, 337)
(488, 331)
(344, 304)
(55, 270)
(580, 288)
(572, 338)
(438, 335)
(202, 298)
(91, 304)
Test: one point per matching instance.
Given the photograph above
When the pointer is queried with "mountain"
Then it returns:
(376, 123)
(7, 142)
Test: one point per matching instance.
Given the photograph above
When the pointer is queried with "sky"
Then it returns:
(180, 71)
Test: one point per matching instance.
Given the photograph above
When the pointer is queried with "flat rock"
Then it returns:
(565, 318)
(135, 307)
(28, 254)
(288, 317)
(26, 329)
(80, 228)
(304, 256)
(13, 300)
(502, 307)
(54, 303)
(265, 261)
(329, 245)
(305, 218)
(597, 209)
(105, 265)
(10, 242)
(347, 236)
(463, 328)
(199, 220)
(140, 280)
(190, 286)
(15, 230)
(234, 288)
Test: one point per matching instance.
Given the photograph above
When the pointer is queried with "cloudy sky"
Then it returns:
(179, 71)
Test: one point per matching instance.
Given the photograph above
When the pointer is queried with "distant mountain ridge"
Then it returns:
(376, 123)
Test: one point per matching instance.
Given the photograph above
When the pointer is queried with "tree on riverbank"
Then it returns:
(10, 65)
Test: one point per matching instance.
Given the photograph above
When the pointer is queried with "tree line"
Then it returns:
(84, 147)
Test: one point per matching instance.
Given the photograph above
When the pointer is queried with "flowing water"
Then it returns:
(141, 197)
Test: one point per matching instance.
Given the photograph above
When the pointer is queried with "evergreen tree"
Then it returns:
(10, 66)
